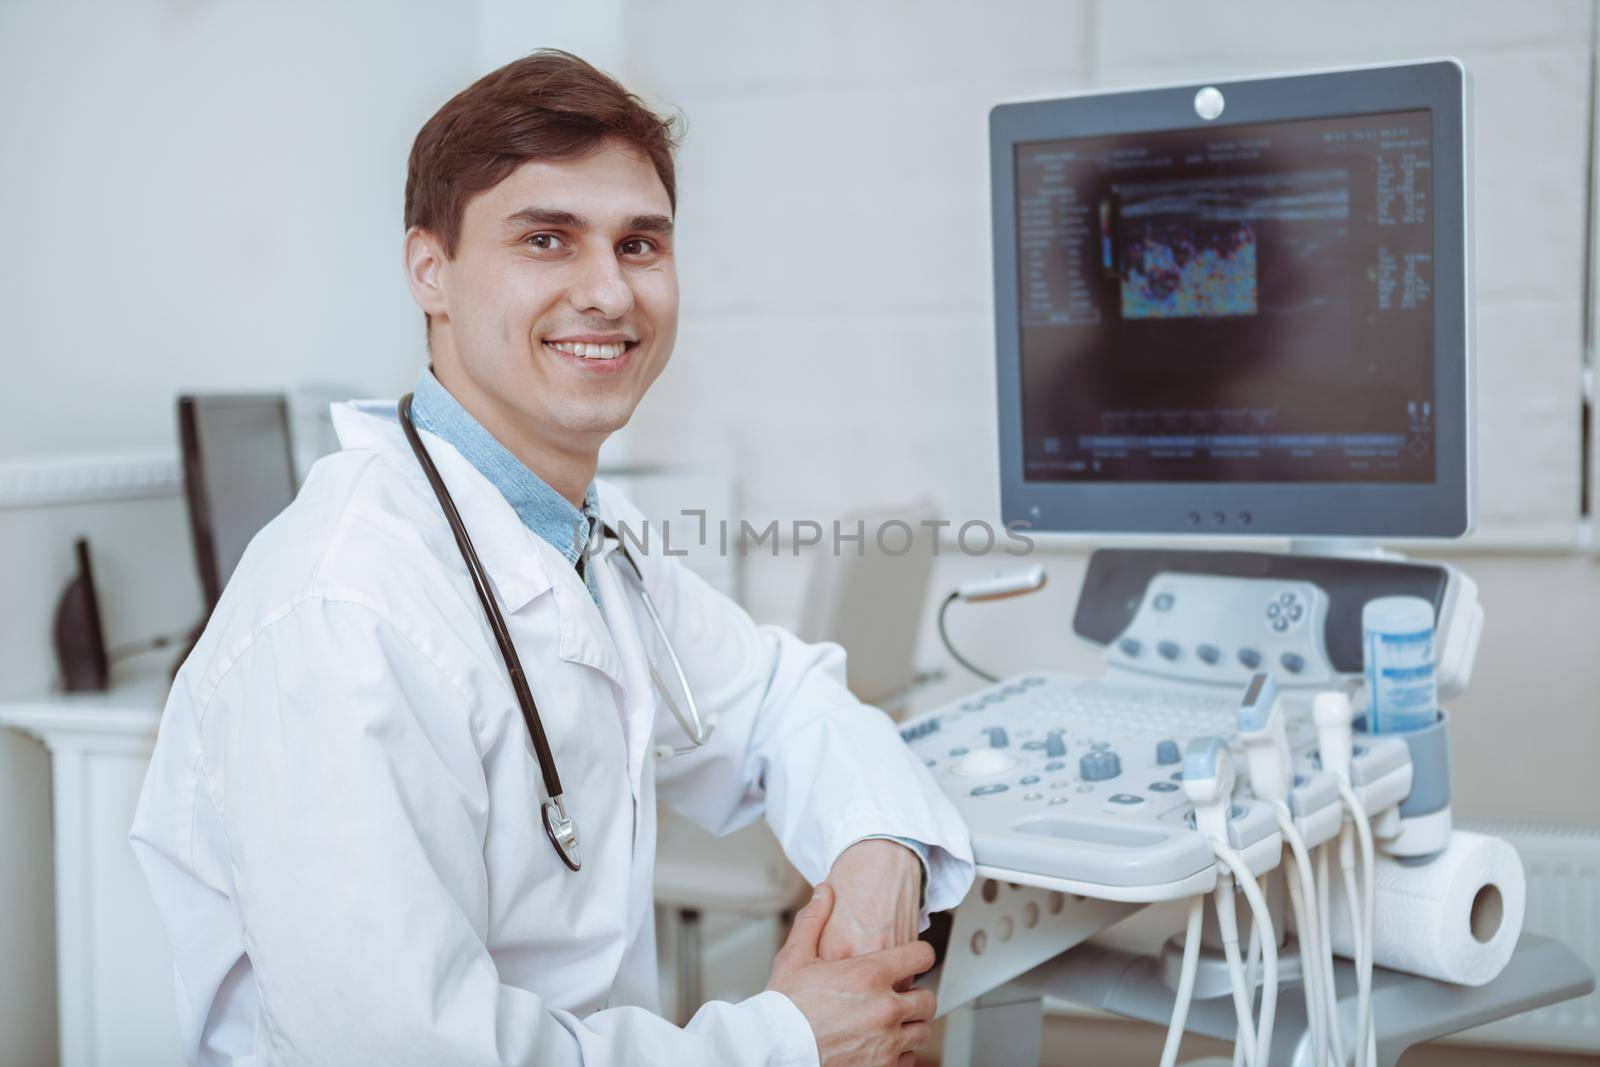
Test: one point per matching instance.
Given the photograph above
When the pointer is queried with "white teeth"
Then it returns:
(589, 351)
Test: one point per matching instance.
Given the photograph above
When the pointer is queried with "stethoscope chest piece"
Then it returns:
(563, 831)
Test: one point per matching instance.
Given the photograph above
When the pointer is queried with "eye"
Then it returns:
(544, 242)
(637, 246)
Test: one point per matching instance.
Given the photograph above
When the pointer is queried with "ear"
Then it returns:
(425, 262)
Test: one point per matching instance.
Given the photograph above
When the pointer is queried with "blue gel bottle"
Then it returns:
(1397, 643)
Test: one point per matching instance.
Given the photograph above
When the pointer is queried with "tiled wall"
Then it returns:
(836, 346)
(834, 222)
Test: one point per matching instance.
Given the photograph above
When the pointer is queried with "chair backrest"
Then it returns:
(872, 601)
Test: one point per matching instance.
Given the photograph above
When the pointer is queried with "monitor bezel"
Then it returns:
(1440, 509)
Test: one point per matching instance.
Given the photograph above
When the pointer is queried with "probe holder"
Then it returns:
(1425, 820)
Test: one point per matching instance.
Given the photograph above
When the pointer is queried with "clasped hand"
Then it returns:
(851, 957)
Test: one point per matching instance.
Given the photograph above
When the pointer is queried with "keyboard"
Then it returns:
(1075, 783)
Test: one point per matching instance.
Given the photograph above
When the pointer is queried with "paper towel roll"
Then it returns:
(1456, 919)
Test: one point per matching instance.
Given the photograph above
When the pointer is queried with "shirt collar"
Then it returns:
(519, 562)
(543, 510)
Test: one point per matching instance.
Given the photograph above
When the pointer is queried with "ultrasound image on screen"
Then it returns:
(1188, 270)
(1232, 304)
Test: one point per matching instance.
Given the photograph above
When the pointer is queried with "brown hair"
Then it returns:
(547, 105)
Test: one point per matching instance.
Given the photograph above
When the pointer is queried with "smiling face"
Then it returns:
(560, 306)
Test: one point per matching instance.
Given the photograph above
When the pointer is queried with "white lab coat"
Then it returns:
(340, 825)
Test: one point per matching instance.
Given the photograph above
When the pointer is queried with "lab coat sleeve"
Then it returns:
(354, 802)
(792, 740)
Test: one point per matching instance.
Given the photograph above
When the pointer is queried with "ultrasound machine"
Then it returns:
(1239, 308)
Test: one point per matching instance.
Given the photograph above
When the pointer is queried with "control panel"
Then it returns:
(1075, 783)
(1213, 629)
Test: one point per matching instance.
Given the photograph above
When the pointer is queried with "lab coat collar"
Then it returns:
(519, 562)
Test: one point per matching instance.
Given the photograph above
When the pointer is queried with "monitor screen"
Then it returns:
(238, 474)
(1246, 303)
(1237, 307)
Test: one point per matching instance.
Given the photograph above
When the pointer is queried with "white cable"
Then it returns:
(1352, 901)
(1300, 886)
(1325, 933)
(1362, 991)
(1228, 925)
(1366, 1030)
(1269, 948)
(1252, 964)
(1310, 986)
(1186, 975)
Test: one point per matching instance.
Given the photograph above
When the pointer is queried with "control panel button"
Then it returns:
(1130, 647)
(1169, 650)
(989, 790)
(1163, 787)
(1162, 602)
(1099, 765)
(1054, 765)
(1028, 779)
(997, 737)
(1209, 654)
(1249, 658)
(1125, 799)
(1054, 747)
(1292, 662)
(1168, 753)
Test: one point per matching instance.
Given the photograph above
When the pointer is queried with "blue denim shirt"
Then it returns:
(541, 509)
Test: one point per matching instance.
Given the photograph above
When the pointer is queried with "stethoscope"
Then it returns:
(562, 831)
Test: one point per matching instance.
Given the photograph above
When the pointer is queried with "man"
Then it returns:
(342, 824)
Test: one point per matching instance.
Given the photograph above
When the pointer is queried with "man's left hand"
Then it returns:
(878, 895)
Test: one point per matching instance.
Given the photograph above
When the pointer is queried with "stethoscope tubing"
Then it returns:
(497, 625)
(558, 824)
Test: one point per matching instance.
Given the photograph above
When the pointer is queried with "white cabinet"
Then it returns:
(113, 968)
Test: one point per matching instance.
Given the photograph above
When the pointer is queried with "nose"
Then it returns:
(600, 287)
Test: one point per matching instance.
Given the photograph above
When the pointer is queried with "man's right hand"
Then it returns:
(856, 1015)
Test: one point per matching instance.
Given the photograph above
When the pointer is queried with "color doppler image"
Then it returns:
(1189, 271)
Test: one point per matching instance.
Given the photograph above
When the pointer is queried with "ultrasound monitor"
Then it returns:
(1237, 307)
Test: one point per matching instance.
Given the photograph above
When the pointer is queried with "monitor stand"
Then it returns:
(1341, 548)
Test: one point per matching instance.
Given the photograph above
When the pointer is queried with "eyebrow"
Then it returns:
(543, 216)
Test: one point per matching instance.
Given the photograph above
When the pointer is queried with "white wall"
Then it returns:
(834, 230)
(211, 201)
(198, 197)
(836, 347)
